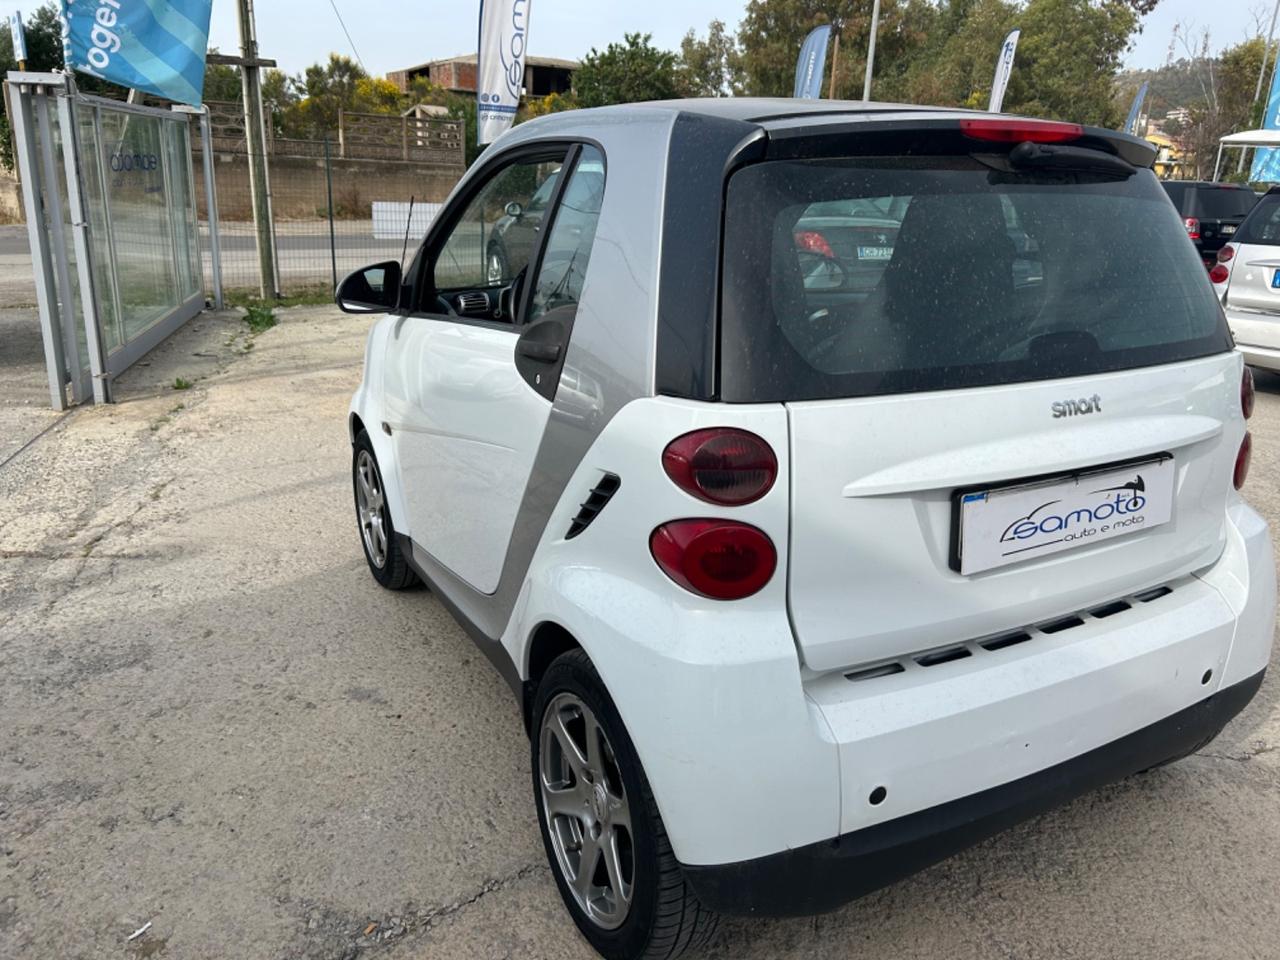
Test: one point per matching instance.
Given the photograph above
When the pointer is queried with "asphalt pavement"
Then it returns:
(214, 723)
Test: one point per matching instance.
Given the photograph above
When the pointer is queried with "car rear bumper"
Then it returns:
(822, 876)
(1257, 337)
(920, 762)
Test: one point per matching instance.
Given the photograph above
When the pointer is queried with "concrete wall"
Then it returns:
(298, 188)
(11, 210)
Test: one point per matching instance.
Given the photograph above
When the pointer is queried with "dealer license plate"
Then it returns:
(1005, 525)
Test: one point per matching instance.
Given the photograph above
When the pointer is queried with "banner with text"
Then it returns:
(149, 45)
(809, 67)
(1266, 160)
(1004, 67)
(504, 40)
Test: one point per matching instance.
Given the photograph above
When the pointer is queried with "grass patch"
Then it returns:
(181, 383)
(259, 316)
(301, 297)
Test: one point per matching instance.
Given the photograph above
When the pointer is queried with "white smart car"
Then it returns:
(1247, 280)
(812, 559)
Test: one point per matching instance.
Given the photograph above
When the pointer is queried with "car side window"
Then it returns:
(564, 264)
(493, 240)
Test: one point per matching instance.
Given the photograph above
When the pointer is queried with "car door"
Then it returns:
(469, 384)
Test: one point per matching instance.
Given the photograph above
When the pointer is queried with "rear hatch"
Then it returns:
(1219, 211)
(1255, 265)
(1033, 410)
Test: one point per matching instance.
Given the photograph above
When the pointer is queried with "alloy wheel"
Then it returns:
(587, 811)
(371, 508)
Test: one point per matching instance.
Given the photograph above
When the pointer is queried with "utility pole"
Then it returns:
(835, 64)
(255, 131)
(871, 50)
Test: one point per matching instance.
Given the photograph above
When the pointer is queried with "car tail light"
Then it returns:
(812, 241)
(1193, 227)
(720, 559)
(1242, 461)
(1226, 253)
(1246, 393)
(1018, 131)
(1219, 273)
(721, 465)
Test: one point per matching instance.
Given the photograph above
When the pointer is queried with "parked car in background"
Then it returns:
(1246, 278)
(835, 484)
(1211, 212)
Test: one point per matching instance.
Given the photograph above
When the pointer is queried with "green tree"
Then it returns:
(1067, 60)
(626, 72)
(773, 30)
(710, 67)
(221, 82)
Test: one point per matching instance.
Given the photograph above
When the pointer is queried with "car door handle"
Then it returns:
(542, 352)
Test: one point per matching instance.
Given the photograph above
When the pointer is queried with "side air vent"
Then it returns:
(595, 502)
(476, 301)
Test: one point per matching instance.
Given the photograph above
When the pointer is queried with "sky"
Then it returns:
(391, 34)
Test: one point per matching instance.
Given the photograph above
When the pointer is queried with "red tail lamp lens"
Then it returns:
(811, 241)
(719, 559)
(1018, 131)
(721, 465)
(1246, 393)
(1226, 253)
(1192, 226)
(1242, 461)
(1219, 273)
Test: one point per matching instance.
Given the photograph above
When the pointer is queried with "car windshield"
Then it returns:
(1262, 226)
(1224, 203)
(966, 276)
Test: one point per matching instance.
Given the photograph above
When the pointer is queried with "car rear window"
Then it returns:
(858, 277)
(1262, 226)
(1223, 203)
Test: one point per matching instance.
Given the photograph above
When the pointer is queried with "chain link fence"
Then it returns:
(337, 204)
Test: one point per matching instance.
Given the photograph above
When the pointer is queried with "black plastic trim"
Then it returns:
(823, 876)
(702, 151)
(491, 647)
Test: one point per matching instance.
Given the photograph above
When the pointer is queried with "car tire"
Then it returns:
(382, 551)
(661, 917)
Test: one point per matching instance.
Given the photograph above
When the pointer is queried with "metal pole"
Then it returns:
(84, 253)
(871, 51)
(835, 65)
(1266, 52)
(1217, 164)
(211, 205)
(46, 292)
(333, 243)
(80, 390)
(255, 134)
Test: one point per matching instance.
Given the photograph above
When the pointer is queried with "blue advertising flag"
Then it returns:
(1266, 160)
(152, 45)
(813, 58)
(1135, 109)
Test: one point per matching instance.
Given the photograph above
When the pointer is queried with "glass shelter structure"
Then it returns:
(111, 218)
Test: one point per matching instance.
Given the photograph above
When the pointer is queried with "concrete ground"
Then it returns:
(213, 721)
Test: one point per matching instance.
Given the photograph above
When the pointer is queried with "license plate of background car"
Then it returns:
(1005, 525)
(875, 253)
(1228, 228)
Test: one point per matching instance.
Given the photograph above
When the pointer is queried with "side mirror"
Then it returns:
(374, 289)
(513, 210)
